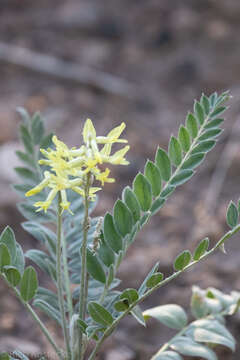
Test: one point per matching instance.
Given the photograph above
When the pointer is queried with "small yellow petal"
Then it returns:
(89, 131)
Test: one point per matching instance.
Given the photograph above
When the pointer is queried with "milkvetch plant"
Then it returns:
(82, 253)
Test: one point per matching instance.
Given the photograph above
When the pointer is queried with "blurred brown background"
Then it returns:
(142, 62)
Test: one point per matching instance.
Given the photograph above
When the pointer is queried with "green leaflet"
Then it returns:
(8, 238)
(5, 258)
(12, 274)
(152, 173)
(94, 267)
(154, 280)
(175, 151)
(199, 112)
(99, 314)
(181, 177)
(143, 191)
(201, 249)
(182, 260)
(111, 236)
(232, 215)
(191, 125)
(122, 218)
(188, 347)
(170, 315)
(184, 138)
(132, 203)
(163, 162)
(28, 284)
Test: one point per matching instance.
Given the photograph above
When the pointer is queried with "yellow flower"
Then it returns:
(70, 168)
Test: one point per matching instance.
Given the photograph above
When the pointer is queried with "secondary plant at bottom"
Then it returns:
(81, 253)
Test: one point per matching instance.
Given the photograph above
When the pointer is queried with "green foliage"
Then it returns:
(199, 337)
(28, 284)
(109, 240)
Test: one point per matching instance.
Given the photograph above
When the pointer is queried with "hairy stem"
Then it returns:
(109, 330)
(45, 331)
(83, 285)
(59, 279)
(66, 278)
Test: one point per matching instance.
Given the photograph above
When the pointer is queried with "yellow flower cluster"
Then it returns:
(70, 168)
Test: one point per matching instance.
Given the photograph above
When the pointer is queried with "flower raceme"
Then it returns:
(70, 168)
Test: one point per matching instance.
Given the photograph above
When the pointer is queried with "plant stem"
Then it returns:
(66, 278)
(83, 285)
(109, 330)
(59, 279)
(45, 331)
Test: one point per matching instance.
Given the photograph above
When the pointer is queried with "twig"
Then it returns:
(69, 71)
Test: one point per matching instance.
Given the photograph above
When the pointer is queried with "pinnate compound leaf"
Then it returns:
(232, 215)
(188, 347)
(143, 191)
(154, 280)
(192, 126)
(182, 260)
(163, 163)
(132, 203)
(181, 177)
(28, 284)
(111, 236)
(175, 151)
(152, 173)
(8, 238)
(170, 315)
(122, 218)
(99, 314)
(184, 138)
(5, 257)
(201, 249)
(12, 274)
(94, 267)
